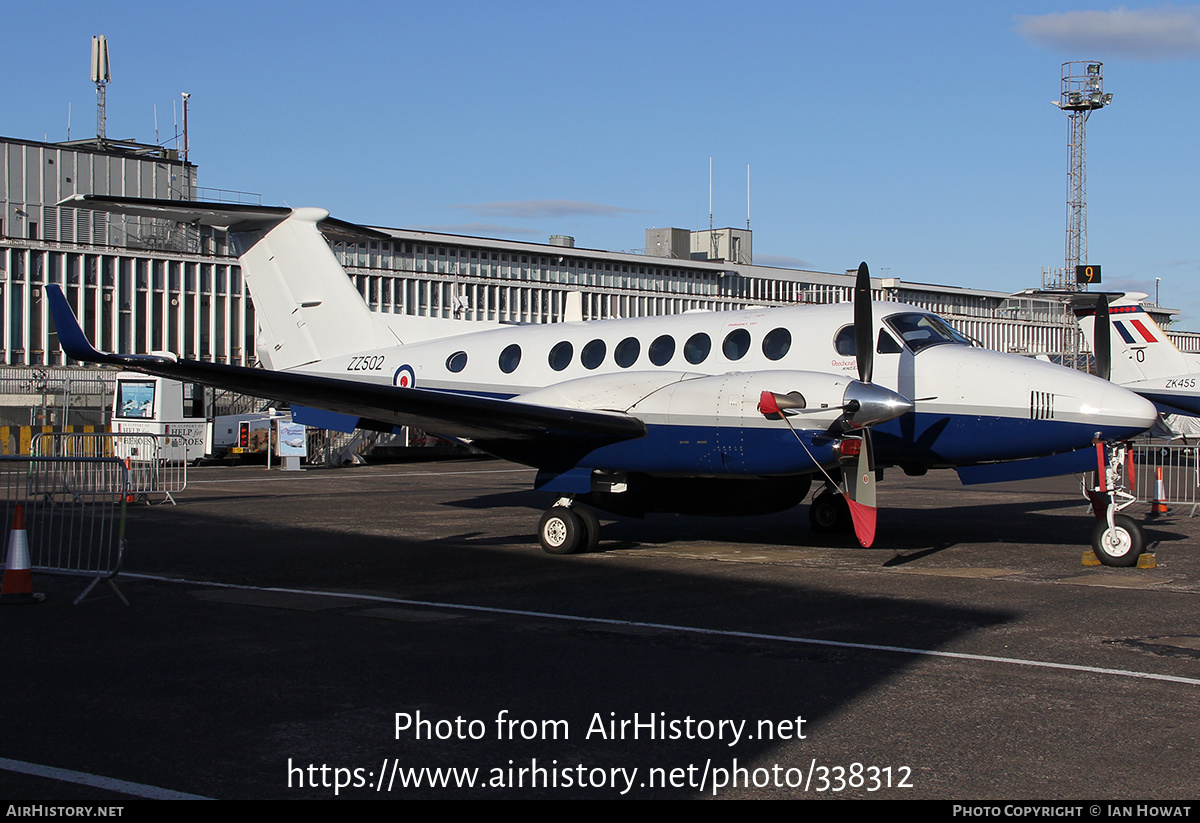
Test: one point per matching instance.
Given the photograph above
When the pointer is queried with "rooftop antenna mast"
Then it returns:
(714, 245)
(186, 97)
(1082, 93)
(710, 222)
(747, 197)
(101, 77)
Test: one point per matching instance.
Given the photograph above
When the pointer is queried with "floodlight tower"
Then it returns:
(1082, 93)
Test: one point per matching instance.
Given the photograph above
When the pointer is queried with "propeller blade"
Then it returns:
(860, 493)
(866, 405)
(1103, 338)
(864, 324)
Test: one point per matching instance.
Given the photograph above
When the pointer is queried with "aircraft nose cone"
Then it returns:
(1123, 413)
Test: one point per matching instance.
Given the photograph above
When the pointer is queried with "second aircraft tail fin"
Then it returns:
(1140, 349)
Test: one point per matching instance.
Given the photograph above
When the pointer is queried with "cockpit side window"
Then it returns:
(920, 331)
(886, 344)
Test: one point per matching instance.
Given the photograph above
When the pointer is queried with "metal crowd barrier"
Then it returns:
(1180, 469)
(157, 463)
(74, 513)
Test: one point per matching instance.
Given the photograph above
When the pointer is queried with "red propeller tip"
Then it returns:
(864, 522)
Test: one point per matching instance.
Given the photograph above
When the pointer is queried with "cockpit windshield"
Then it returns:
(919, 330)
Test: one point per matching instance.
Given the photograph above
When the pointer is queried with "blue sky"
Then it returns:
(918, 136)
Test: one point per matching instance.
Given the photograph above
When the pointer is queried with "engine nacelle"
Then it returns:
(683, 398)
(710, 425)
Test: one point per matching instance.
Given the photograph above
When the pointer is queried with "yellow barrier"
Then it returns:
(16, 439)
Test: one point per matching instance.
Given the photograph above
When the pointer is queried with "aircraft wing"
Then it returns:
(487, 421)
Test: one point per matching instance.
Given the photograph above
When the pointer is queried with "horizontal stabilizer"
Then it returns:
(232, 217)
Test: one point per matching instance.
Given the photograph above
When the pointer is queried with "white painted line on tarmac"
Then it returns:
(277, 478)
(607, 621)
(96, 781)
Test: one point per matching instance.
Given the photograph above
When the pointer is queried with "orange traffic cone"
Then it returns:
(18, 579)
(129, 498)
(1159, 504)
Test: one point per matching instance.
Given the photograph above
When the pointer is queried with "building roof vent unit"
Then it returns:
(562, 240)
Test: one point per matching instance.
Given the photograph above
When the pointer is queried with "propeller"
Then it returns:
(1102, 338)
(863, 405)
(860, 488)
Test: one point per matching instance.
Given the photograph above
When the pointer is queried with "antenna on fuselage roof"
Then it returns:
(573, 307)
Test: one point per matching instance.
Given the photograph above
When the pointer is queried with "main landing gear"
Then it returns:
(568, 527)
(828, 513)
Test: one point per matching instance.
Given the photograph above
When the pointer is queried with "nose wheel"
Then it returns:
(568, 527)
(1118, 544)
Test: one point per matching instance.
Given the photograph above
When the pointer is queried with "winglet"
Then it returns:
(70, 336)
(75, 343)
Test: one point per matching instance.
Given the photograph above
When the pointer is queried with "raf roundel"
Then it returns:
(404, 378)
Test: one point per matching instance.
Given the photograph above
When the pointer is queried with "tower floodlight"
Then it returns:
(101, 77)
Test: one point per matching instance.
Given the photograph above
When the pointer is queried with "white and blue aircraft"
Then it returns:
(1140, 356)
(707, 413)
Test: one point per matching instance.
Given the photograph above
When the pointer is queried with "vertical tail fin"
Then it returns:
(306, 307)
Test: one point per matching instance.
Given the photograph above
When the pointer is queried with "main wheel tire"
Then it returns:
(1120, 545)
(591, 526)
(561, 531)
(828, 513)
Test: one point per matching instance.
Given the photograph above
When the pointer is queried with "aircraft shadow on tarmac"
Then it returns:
(322, 683)
(295, 682)
(918, 531)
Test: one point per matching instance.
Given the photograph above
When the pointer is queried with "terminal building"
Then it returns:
(141, 285)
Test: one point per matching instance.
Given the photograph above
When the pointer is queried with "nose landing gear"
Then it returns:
(1117, 539)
